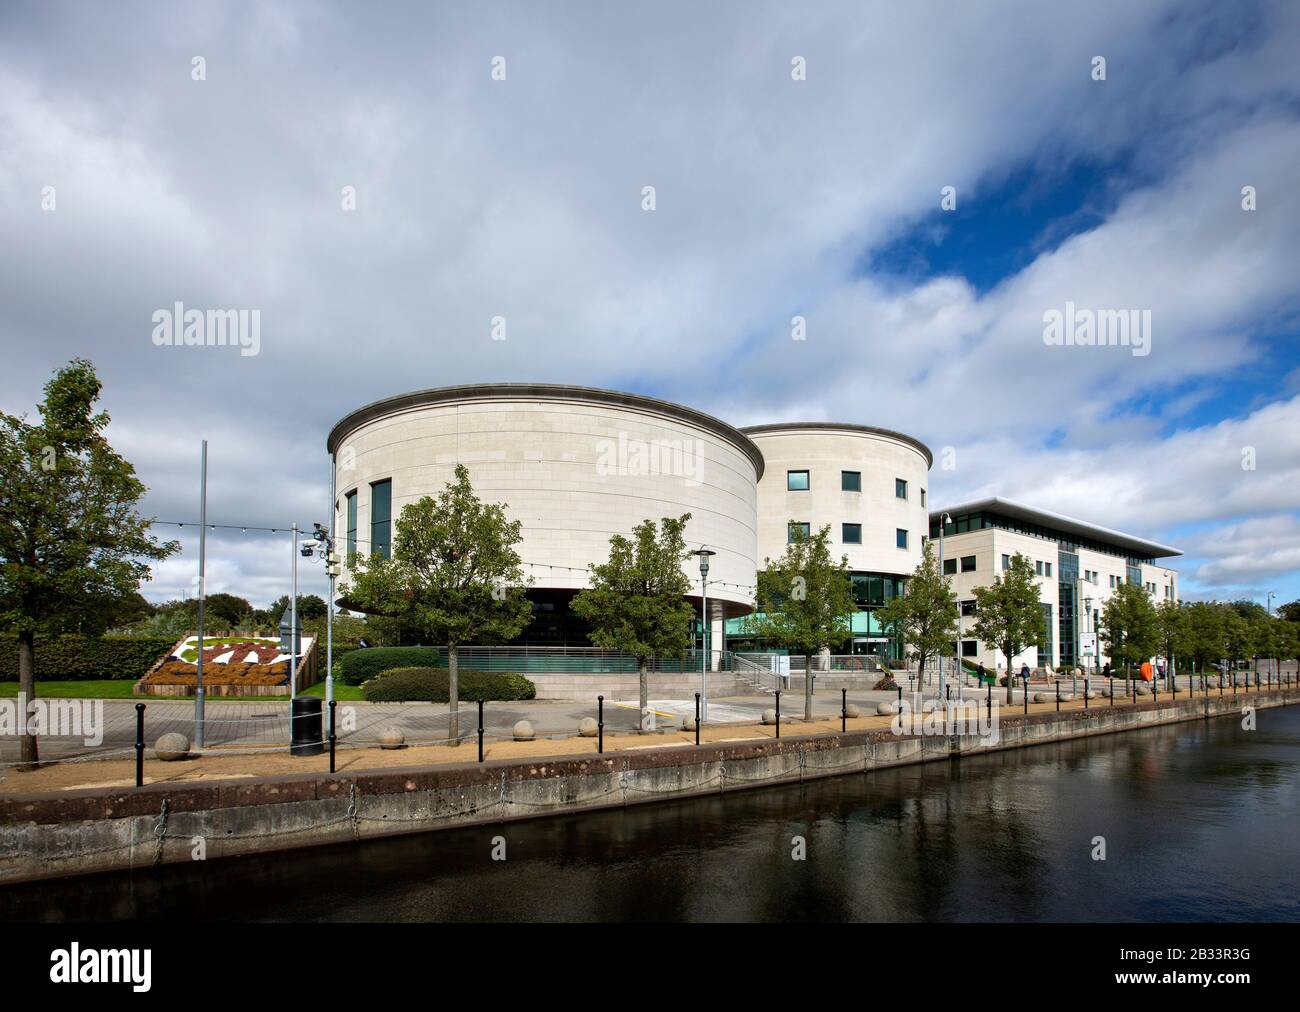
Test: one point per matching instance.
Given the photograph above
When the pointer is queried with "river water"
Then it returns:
(1201, 822)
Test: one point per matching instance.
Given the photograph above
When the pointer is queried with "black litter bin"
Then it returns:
(306, 737)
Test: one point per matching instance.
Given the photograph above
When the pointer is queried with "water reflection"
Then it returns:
(1199, 823)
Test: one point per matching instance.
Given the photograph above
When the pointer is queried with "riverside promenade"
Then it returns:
(58, 829)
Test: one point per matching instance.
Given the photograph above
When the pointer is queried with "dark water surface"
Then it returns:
(1201, 822)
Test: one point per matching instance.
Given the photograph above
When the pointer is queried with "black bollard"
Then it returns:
(139, 744)
(697, 718)
(1085, 693)
(600, 724)
(900, 699)
(1112, 692)
(844, 710)
(989, 710)
(778, 713)
(1058, 695)
(1026, 680)
(480, 730)
(333, 704)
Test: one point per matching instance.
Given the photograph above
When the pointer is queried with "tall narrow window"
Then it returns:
(381, 518)
(900, 488)
(352, 525)
(900, 538)
(922, 497)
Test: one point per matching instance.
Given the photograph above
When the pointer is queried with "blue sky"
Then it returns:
(522, 198)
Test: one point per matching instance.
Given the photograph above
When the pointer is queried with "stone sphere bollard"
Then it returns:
(1067, 697)
(586, 727)
(688, 722)
(1143, 689)
(1092, 693)
(1041, 697)
(884, 708)
(851, 710)
(769, 716)
(391, 737)
(171, 746)
(523, 730)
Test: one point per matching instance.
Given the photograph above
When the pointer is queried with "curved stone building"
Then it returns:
(574, 464)
(869, 485)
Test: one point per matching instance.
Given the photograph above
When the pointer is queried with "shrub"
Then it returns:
(358, 666)
(887, 683)
(430, 685)
(76, 658)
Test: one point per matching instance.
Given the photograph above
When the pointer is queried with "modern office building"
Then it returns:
(577, 465)
(1077, 564)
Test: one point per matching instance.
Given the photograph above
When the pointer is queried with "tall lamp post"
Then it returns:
(943, 520)
(704, 553)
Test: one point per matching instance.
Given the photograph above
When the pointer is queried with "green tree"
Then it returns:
(1009, 612)
(1204, 633)
(1289, 611)
(636, 602)
(925, 617)
(454, 575)
(1238, 641)
(1130, 626)
(1174, 634)
(805, 600)
(71, 537)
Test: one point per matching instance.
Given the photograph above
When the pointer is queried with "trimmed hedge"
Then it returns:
(357, 666)
(79, 658)
(430, 685)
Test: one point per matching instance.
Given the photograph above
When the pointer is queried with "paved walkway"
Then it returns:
(232, 725)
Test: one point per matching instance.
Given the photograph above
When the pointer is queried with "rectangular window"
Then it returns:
(352, 525)
(850, 481)
(381, 518)
(968, 607)
(852, 534)
(949, 567)
(970, 648)
(968, 563)
(900, 488)
(1038, 568)
(1047, 569)
(900, 538)
(796, 481)
(922, 497)
(798, 532)
(1006, 563)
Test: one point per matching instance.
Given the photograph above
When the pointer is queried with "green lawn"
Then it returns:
(121, 689)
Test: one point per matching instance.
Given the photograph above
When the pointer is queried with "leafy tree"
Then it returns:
(1288, 642)
(71, 539)
(454, 575)
(635, 603)
(1173, 631)
(1238, 641)
(310, 606)
(1289, 611)
(1204, 633)
(1009, 612)
(1130, 626)
(926, 615)
(805, 600)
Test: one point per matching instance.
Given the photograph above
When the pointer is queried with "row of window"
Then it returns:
(381, 519)
(850, 534)
(850, 481)
(967, 565)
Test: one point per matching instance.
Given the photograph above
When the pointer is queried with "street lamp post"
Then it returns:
(704, 554)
